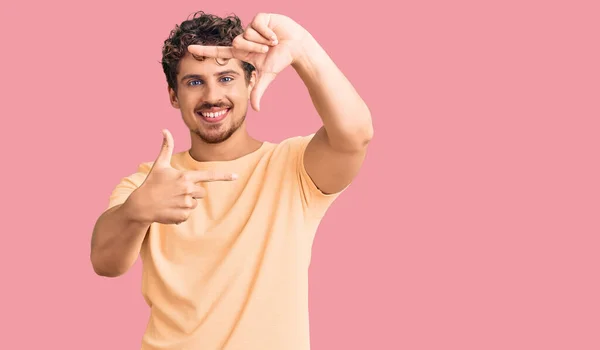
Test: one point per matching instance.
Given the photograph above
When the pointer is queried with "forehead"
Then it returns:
(208, 66)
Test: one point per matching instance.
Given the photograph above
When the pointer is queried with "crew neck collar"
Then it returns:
(192, 163)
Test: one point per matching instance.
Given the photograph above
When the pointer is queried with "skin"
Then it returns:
(208, 86)
(271, 43)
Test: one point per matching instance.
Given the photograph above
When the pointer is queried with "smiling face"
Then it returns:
(213, 98)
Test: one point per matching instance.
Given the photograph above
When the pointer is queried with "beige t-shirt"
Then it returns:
(235, 275)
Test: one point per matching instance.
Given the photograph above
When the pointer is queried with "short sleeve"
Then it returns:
(315, 201)
(127, 185)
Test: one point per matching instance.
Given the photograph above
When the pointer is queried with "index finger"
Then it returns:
(211, 51)
(261, 25)
(209, 176)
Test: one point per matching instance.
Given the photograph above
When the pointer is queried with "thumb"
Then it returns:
(264, 79)
(166, 150)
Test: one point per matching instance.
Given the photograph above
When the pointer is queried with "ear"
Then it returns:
(173, 97)
(252, 83)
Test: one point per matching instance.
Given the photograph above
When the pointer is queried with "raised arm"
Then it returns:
(272, 42)
(335, 154)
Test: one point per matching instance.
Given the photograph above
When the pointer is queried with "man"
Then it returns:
(225, 229)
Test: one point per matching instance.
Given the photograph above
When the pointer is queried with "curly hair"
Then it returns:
(201, 29)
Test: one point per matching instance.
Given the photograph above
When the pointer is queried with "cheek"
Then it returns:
(239, 94)
(183, 97)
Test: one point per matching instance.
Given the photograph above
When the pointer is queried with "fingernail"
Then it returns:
(234, 176)
(265, 48)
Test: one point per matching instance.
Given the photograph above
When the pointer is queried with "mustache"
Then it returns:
(212, 105)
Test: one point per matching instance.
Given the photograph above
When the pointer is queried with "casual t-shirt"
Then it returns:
(234, 276)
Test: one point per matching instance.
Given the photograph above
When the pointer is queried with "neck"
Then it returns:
(236, 146)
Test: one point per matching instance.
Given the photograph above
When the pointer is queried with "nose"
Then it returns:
(212, 93)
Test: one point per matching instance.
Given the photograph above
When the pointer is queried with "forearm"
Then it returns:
(346, 118)
(116, 241)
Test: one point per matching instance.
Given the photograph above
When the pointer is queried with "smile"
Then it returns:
(213, 116)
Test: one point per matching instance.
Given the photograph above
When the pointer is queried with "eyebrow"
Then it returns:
(217, 74)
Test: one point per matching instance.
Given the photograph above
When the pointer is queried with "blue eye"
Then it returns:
(193, 82)
(230, 79)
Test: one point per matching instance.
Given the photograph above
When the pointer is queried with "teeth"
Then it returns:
(214, 115)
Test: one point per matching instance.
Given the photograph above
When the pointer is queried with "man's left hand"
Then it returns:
(271, 42)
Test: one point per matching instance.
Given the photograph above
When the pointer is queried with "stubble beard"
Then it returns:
(213, 136)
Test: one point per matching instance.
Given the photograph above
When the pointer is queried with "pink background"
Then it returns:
(473, 225)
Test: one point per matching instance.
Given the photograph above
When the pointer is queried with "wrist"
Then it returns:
(309, 54)
(134, 212)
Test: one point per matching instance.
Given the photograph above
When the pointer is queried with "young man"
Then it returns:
(225, 229)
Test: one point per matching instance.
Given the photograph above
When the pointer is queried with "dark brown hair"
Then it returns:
(202, 29)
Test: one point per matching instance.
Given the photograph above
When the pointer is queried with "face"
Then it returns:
(213, 98)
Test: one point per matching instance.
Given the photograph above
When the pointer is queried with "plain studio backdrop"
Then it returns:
(473, 225)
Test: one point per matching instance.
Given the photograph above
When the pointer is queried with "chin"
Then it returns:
(217, 130)
(214, 134)
(213, 137)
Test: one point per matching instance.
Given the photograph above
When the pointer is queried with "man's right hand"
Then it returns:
(168, 195)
